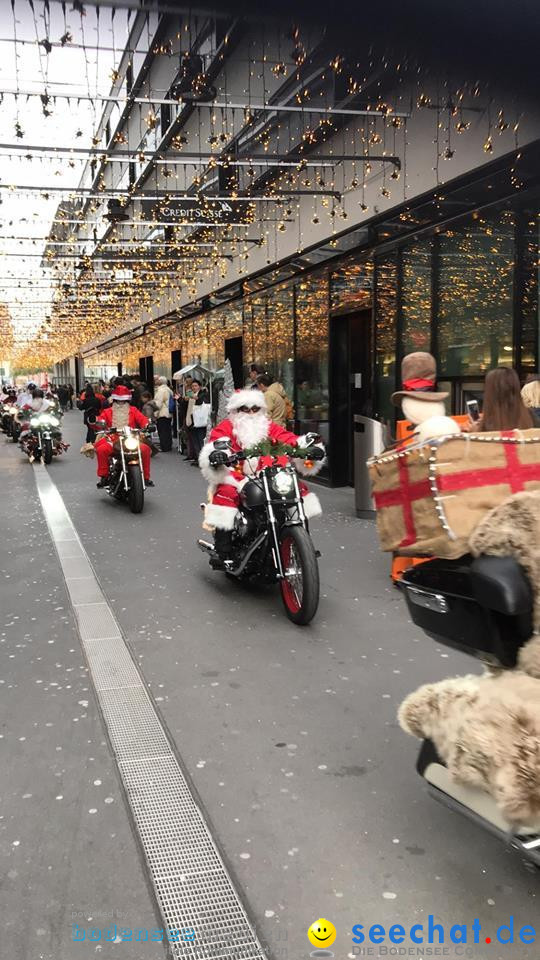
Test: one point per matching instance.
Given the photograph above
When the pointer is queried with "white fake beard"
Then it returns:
(250, 428)
(120, 414)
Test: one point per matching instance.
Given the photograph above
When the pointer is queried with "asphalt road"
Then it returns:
(289, 734)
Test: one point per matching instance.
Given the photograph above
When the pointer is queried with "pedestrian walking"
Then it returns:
(90, 406)
(279, 407)
(71, 392)
(162, 399)
(63, 396)
(200, 414)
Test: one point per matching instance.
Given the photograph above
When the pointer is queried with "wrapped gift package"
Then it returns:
(429, 498)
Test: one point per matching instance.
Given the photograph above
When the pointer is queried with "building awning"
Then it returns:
(189, 369)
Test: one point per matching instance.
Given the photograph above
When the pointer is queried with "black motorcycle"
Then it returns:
(483, 607)
(43, 438)
(126, 475)
(270, 541)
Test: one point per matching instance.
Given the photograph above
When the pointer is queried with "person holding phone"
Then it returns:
(503, 407)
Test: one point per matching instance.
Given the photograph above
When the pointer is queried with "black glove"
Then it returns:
(312, 438)
(218, 458)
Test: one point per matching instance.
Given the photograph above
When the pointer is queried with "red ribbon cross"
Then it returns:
(514, 473)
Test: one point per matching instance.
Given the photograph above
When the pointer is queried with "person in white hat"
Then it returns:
(247, 426)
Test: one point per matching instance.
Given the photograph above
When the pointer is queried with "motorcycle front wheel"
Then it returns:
(300, 586)
(47, 451)
(136, 489)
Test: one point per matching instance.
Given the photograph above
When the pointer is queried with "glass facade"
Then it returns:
(476, 295)
(311, 360)
(385, 334)
(416, 290)
(469, 292)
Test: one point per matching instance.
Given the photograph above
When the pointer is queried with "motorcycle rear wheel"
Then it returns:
(136, 489)
(300, 587)
(47, 451)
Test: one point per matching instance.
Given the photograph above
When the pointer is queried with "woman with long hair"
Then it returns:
(503, 407)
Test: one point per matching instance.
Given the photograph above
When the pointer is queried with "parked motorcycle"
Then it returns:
(43, 439)
(126, 476)
(483, 607)
(270, 540)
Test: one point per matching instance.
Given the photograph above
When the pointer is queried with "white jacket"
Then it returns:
(161, 397)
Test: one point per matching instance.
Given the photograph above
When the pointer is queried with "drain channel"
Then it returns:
(192, 885)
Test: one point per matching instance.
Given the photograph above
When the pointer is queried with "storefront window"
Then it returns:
(385, 334)
(474, 330)
(312, 354)
(416, 297)
(199, 344)
(351, 286)
(272, 340)
(280, 336)
(530, 303)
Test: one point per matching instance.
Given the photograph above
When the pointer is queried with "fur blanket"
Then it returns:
(487, 728)
(487, 731)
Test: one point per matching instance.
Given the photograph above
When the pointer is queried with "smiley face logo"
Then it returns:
(322, 933)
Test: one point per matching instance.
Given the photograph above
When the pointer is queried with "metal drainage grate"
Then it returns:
(190, 880)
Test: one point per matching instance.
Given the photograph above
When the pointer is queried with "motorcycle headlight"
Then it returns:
(131, 443)
(283, 483)
(34, 422)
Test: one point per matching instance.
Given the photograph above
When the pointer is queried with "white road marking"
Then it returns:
(192, 884)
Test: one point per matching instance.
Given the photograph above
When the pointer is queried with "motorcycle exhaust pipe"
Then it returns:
(206, 547)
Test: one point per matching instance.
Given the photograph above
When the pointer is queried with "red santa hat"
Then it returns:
(121, 393)
(246, 398)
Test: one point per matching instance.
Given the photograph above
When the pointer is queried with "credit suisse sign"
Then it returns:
(186, 210)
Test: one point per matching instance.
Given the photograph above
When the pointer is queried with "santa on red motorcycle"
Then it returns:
(246, 427)
(120, 414)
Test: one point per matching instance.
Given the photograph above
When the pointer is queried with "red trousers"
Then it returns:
(104, 451)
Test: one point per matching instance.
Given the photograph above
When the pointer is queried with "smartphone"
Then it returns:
(473, 410)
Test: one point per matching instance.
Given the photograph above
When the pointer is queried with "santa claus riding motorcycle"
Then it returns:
(258, 507)
(123, 459)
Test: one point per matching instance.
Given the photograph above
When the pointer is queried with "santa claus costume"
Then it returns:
(120, 414)
(246, 426)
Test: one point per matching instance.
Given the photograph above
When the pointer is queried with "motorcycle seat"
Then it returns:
(500, 584)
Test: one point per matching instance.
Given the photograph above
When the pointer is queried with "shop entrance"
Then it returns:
(351, 388)
(234, 352)
(176, 361)
(146, 371)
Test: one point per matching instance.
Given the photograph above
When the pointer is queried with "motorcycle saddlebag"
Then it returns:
(482, 606)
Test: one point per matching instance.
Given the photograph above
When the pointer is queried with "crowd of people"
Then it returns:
(182, 413)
